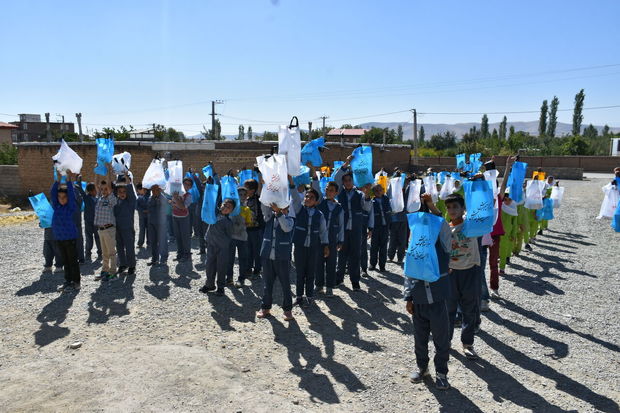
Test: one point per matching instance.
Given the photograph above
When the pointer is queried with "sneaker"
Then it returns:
(364, 274)
(65, 287)
(382, 269)
(299, 301)
(339, 283)
(495, 294)
(458, 323)
(528, 247)
(47, 269)
(502, 272)
(112, 276)
(121, 269)
(540, 232)
(176, 259)
(484, 305)
(329, 292)
(372, 269)
(76, 286)
(309, 301)
(151, 263)
(477, 329)
(319, 290)
(101, 276)
(508, 260)
(288, 316)
(470, 353)
(206, 289)
(131, 270)
(419, 376)
(399, 262)
(240, 283)
(139, 246)
(356, 286)
(441, 382)
(263, 313)
(219, 292)
(230, 283)
(58, 269)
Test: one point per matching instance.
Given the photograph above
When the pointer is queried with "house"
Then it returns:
(346, 135)
(31, 128)
(6, 131)
(142, 135)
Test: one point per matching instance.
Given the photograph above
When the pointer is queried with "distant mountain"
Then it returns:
(461, 129)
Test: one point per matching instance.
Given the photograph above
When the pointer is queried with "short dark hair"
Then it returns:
(455, 198)
(251, 185)
(230, 201)
(139, 185)
(62, 190)
(313, 192)
(334, 184)
(188, 179)
(348, 174)
(90, 187)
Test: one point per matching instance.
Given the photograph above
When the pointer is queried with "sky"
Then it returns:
(143, 61)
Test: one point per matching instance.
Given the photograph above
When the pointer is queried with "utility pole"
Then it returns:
(324, 117)
(415, 137)
(214, 134)
(79, 121)
(309, 131)
(48, 134)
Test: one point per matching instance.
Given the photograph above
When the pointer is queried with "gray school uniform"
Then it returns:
(219, 237)
(90, 231)
(124, 212)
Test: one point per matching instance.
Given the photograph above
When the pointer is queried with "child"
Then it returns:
(367, 224)
(309, 235)
(65, 232)
(382, 212)
(510, 223)
(158, 226)
(276, 259)
(142, 206)
(106, 225)
(218, 249)
(200, 227)
(124, 212)
(90, 201)
(239, 241)
(464, 276)
(523, 228)
(255, 228)
(77, 220)
(180, 221)
(51, 252)
(544, 224)
(426, 302)
(334, 217)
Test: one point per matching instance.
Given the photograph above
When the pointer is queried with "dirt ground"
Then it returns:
(152, 342)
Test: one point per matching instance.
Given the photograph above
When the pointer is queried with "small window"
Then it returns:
(25, 126)
(25, 136)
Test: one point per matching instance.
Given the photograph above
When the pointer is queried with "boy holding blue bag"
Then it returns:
(426, 296)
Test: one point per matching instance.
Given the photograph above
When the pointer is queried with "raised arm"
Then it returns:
(509, 163)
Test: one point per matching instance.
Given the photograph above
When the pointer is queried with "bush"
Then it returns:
(8, 154)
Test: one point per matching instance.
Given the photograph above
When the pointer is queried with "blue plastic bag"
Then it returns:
(194, 191)
(362, 166)
(207, 171)
(83, 189)
(209, 204)
(63, 178)
(105, 150)
(304, 176)
(546, 212)
(442, 176)
(323, 183)
(229, 190)
(246, 174)
(479, 203)
(43, 209)
(460, 161)
(475, 163)
(310, 152)
(615, 220)
(515, 181)
(421, 260)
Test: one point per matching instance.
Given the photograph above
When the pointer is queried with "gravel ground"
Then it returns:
(154, 343)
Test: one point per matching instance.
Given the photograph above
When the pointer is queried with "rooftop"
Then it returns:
(346, 132)
(7, 125)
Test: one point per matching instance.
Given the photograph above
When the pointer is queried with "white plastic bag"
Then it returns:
(154, 175)
(447, 188)
(175, 172)
(557, 194)
(413, 198)
(121, 162)
(67, 160)
(397, 202)
(610, 202)
(534, 194)
(491, 176)
(274, 173)
(430, 186)
(289, 144)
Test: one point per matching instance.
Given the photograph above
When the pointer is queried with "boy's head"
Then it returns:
(121, 192)
(140, 189)
(311, 197)
(187, 184)
(251, 187)
(378, 191)
(63, 198)
(243, 193)
(91, 189)
(347, 181)
(156, 190)
(105, 188)
(227, 207)
(617, 172)
(550, 179)
(457, 184)
(455, 204)
(331, 190)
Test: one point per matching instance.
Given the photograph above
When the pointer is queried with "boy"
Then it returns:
(180, 221)
(239, 241)
(426, 302)
(510, 216)
(310, 234)
(200, 227)
(158, 226)
(77, 220)
(276, 259)
(124, 212)
(142, 206)
(464, 276)
(106, 225)
(382, 212)
(334, 217)
(65, 231)
(90, 201)
(398, 231)
(255, 228)
(218, 249)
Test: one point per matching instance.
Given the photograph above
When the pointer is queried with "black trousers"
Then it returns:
(69, 258)
(432, 318)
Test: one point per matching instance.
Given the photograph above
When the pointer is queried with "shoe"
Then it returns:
(470, 353)
(309, 301)
(528, 247)
(508, 260)
(515, 253)
(299, 301)
(263, 313)
(502, 272)
(399, 262)
(458, 323)
(364, 274)
(99, 257)
(495, 294)
(319, 290)
(151, 263)
(419, 376)
(131, 270)
(477, 329)
(484, 305)
(240, 283)
(139, 246)
(81, 261)
(101, 276)
(382, 269)
(338, 283)
(219, 292)
(203, 252)
(206, 289)
(540, 232)
(356, 286)
(288, 316)
(176, 259)
(329, 292)
(372, 269)
(58, 269)
(47, 269)
(112, 276)
(65, 287)
(441, 382)
(121, 269)
(76, 286)
(230, 283)
(88, 258)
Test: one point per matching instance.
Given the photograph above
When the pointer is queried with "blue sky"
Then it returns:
(137, 62)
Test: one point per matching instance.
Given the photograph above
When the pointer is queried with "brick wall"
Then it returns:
(10, 183)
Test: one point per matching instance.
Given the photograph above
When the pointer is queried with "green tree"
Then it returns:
(346, 126)
(575, 145)
(442, 141)
(512, 131)
(542, 122)
(421, 135)
(484, 126)
(494, 135)
(503, 128)
(578, 112)
(375, 135)
(606, 131)
(8, 154)
(241, 135)
(249, 133)
(270, 136)
(211, 134)
(553, 118)
(590, 132)
(399, 132)
(172, 135)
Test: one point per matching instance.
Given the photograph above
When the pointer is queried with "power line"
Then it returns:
(513, 112)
